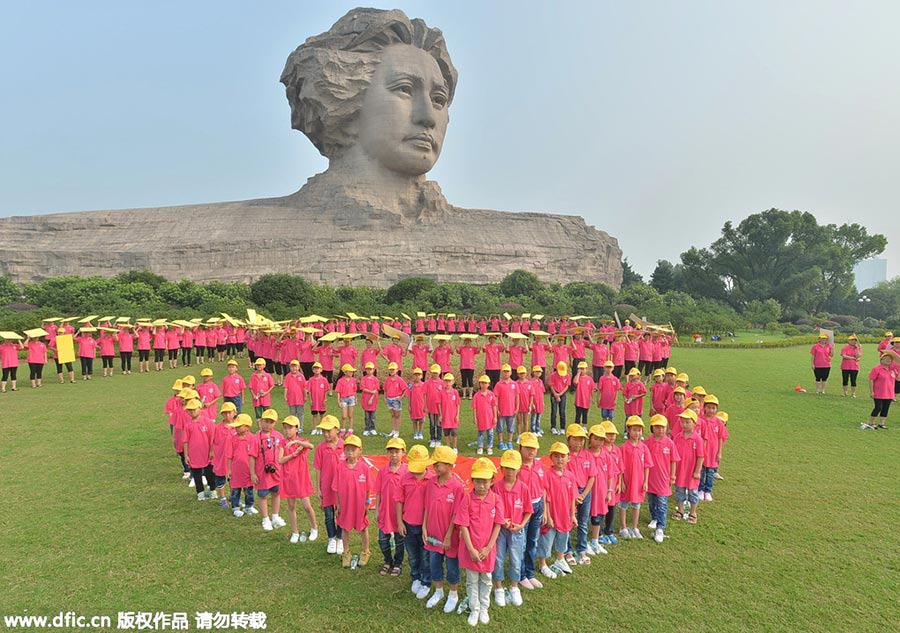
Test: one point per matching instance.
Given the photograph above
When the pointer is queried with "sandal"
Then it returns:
(396, 571)
(678, 515)
(571, 559)
(585, 559)
(692, 518)
(384, 570)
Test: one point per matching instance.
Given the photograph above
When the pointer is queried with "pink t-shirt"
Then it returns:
(539, 353)
(37, 352)
(558, 383)
(449, 408)
(582, 466)
(515, 501)
(233, 385)
(712, 432)
(484, 402)
(609, 386)
(534, 478)
(507, 392)
(87, 346)
(561, 492)
(441, 355)
(419, 353)
(442, 502)
(295, 389)
(264, 449)
(690, 450)
(821, 355)
(660, 394)
(525, 389)
(516, 356)
(326, 358)
(601, 482)
(537, 395)
(394, 354)
(369, 401)
(883, 377)
(467, 356)
(126, 341)
(854, 351)
(635, 458)
(632, 389)
(261, 383)
(221, 438)
(583, 391)
(479, 516)
(346, 386)
(198, 435)
(326, 460)
(664, 454)
(394, 387)
(433, 394)
(107, 345)
(317, 386)
(412, 496)
(209, 395)
(352, 484)
(295, 480)
(492, 355)
(600, 354)
(560, 354)
(416, 395)
(239, 454)
(387, 487)
(347, 354)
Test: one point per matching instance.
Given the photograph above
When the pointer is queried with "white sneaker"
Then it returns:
(624, 533)
(589, 550)
(452, 601)
(201, 496)
(456, 450)
(479, 451)
(548, 572)
(332, 546)
(416, 585)
(563, 565)
(473, 618)
(340, 547)
(436, 597)
(515, 596)
(267, 524)
(190, 481)
(313, 534)
(599, 549)
(500, 597)
(238, 513)
(709, 496)
(431, 444)
(652, 525)
(277, 521)
(636, 533)
(186, 476)
(490, 450)
(295, 537)
(251, 510)
(423, 592)
(659, 535)
(483, 617)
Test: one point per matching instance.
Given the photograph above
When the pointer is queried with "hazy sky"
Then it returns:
(655, 121)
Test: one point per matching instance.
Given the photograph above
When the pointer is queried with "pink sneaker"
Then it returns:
(535, 583)
(526, 583)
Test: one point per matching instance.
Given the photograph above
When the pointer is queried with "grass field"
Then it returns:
(802, 535)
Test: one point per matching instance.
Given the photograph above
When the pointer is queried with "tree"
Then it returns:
(288, 289)
(761, 312)
(141, 276)
(663, 277)
(9, 291)
(629, 276)
(408, 289)
(520, 283)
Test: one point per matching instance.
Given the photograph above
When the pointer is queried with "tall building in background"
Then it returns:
(869, 273)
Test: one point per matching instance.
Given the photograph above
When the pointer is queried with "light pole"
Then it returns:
(863, 300)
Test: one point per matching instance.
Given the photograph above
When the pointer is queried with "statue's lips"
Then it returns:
(422, 141)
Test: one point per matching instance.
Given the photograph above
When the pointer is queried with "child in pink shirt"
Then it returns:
(560, 512)
(659, 393)
(233, 386)
(582, 465)
(352, 483)
(410, 515)
(433, 395)
(443, 496)
(712, 438)
(538, 389)
(607, 392)
(523, 411)
(636, 463)
(634, 392)
(295, 392)
(295, 480)
(222, 434)
(394, 391)
(9, 358)
(467, 353)
(261, 385)
(329, 453)
(484, 402)
(238, 471)
(507, 393)
(601, 494)
(665, 458)
(346, 389)
(690, 449)
(450, 412)
(387, 493)
(317, 387)
(584, 390)
(369, 386)
(416, 394)
(515, 503)
(198, 447)
(265, 471)
(479, 519)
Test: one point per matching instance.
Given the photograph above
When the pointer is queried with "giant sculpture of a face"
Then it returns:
(373, 92)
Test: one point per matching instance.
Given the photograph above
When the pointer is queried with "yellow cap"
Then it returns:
(188, 394)
(369, 365)
(291, 420)
(521, 369)
(188, 380)
(609, 363)
(484, 378)
(688, 414)
(823, 335)
(562, 368)
(852, 337)
(711, 399)
(886, 334)
(294, 363)
(177, 384)
(417, 459)
(328, 422)
(317, 364)
(396, 442)
(347, 367)
(699, 391)
(682, 377)
(679, 390)
(671, 370)
(575, 430)
(689, 402)
(559, 447)
(634, 371)
(192, 405)
(242, 419)
(392, 365)
(443, 454)
(529, 439)
(449, 376)
(260, 362)
(270, 414)
(659, 420)
(609, 427)
(658, 372)
(226, 407)
(417, 370)
(582, 365)
(505, 367)
(722, 416)
(435, 369)
(353, 440)
(634, 420)
(483, 468)
(537, 369)
(206, 371)
(597, 430)
(511, 459)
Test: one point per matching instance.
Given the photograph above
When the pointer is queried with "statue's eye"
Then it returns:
(440, 100)
(406, 89)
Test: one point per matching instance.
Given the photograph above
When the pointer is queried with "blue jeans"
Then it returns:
(561, 408)
(236, 400)
(236, 497)
(535, 422)
(330, 526)
(659, 509)
(707, 478)
(553, 540)
(436, 560)
(419, 564)
(532, 533)
(434, 426)
(394, 559)
(513, 545)
(490, 438)
(583, 516)
(506, 424)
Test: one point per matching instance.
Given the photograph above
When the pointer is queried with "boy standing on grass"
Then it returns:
(560, 512)
(687, 472)
(387, 492)
(608, 388)
(198, 448)
(443, 496)
(329, 453)
(662, 475)
(265, 471)
(410, 517)
(515, 502)
(238, 473)
(583, 469)
(633, 480)
(351, 486)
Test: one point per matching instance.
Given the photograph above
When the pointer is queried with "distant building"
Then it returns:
(870, 273)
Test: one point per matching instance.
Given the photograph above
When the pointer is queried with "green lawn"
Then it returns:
(801, 537)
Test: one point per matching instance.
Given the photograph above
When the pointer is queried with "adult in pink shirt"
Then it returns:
(492, 350)
(617, 354)
(632, 351)
(394, 353)
(173, 344)
(305, 355)
(125, 338)
(325, 354)
(882, 381)
(36, 359)
(850, 355)
(187, 346)
(107, 345)
(369, 354)
(467, 353)
(821, 354)
(441, 355)
(599, 355)
(87, 349)
(9, 359)
(233, 386)
(886, 342)
(143, 345)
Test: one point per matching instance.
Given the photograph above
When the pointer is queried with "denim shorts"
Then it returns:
(607, 414)
(552, 540)
(624, 505)
(394, 404)
(349, 401)
(506, 424)
(262, 494)
(220, 482)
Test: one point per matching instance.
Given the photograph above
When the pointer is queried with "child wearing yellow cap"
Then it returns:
(635, 473)
(665, 458)
(352, 483)
(533, 475)
(692, 452)
(295, 481)
(558, 383)
(325, 462)
(515, 501)
(410, 517)
(346, 389)
(261, 386)
(387, 492)
(369, 387)
(601, 494)
(583, 468)
(450, 412)
(222, 433)
(434, 388)
(633, 393)
(536, 409)
(480, 517)
(484, 403)
(238, 469)
(560, 512)
(233, 385)
(615, 468)
(443, 495)
(584, 388)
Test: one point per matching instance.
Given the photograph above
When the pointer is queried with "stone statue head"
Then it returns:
(377, 86)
